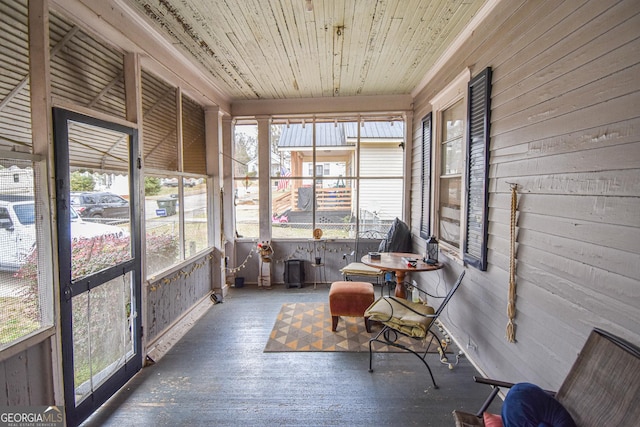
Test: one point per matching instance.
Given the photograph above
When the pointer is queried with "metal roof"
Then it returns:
(382, 130)
(339, 134)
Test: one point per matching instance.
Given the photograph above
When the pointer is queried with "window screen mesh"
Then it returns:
(26, 303)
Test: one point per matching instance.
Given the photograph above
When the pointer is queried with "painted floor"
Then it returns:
(218, 375)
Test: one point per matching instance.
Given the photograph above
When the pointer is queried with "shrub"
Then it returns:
(81, 182)
(92, 255)
(152, 186)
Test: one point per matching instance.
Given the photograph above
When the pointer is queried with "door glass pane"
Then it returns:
(102, 333)
(100, 209)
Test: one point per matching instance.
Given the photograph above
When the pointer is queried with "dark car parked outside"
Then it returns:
(98, 205)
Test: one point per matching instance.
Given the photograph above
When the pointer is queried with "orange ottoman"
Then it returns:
(350, 299)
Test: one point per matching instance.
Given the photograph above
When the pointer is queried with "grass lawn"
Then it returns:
(17, 318)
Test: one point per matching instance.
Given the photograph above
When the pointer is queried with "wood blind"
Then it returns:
(15, 99)
(159, 123)
(85, 70)
(425, 218)
(193, 135)
(475, 239)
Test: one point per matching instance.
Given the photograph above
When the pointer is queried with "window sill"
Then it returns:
(452, 254)
(24, 343)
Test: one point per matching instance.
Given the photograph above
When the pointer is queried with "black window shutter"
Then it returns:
(425, 231)
(479, 108)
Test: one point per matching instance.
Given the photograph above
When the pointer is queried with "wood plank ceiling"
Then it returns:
(282, 49)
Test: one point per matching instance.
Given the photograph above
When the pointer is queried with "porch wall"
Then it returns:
(26, 377)
(171, 296)
(565, 127)
(247, 260)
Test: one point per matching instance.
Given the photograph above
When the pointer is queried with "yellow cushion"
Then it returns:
(398, 314)
(360, 269)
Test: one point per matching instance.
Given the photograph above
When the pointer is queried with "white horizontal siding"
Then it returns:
(565, 127)
(383, 196)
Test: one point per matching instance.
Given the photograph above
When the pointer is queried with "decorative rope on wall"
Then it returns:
(511, 307)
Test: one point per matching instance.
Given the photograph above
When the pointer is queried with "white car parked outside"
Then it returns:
(18, 232)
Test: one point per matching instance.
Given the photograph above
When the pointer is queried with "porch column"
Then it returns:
(214, 165)
(264, 173)
(408, 153)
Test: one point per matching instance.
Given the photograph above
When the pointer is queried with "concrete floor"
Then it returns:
(218, 375)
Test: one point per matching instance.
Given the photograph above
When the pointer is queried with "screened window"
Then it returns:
(26, 291)
(176, 215)
(245, 184)
(342, 176)
(26, 295)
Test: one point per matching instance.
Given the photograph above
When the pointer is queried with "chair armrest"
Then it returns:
(493, 382)
(496, 384)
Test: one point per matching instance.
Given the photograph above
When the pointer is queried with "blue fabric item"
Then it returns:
(527, 405)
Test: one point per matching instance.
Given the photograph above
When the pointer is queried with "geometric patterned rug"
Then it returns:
(307, 327)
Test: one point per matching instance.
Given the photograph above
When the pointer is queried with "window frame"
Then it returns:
(452, 93)
(251, 177)
(176, 118)
(318, 167)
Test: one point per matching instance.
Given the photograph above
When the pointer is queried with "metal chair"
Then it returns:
(411, 319)
(359, 270)
(601, 388)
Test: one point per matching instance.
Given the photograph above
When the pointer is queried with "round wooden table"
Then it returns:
(393, 261)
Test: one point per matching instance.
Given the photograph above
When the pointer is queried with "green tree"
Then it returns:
(152, 186)
(81, 182)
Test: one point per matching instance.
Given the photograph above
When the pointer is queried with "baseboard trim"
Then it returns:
(161, 344)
